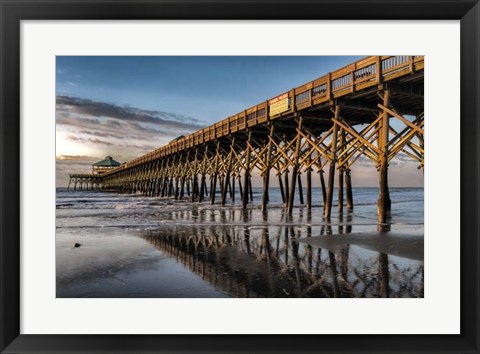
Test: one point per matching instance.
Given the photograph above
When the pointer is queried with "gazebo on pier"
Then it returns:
(104, 165)
(83, 181)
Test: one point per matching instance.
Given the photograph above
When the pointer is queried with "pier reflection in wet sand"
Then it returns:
(253, 254)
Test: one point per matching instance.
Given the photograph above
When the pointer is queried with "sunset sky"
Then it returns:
(127, 106)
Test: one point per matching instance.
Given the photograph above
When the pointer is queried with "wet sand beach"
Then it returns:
(132, 246)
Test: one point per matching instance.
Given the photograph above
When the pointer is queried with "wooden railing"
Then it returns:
(357, 76)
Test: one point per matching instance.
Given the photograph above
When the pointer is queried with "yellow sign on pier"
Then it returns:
(278, 104)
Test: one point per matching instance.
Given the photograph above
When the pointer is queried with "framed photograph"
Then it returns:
(239, 177)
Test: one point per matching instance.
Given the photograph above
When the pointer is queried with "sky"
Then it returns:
(127, 106)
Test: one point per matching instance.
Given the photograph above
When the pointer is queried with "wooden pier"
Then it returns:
(85, 181)
(324, 125)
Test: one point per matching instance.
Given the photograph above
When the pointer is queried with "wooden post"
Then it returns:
(331, 175)
(164, 186)
(221, 179)
(383, 204)
(229, 187)
(295, 167)
(224, 189)
(169, 186)
(309, 186)
(300, 189)
(240, 189)
(324, 188)
(247, 172)
(203, 183)
(181, 193)
(157, 187)
(152, 187)
(207, 191)
(195, 187)
(194, 176)
(213, 189)
(348, 187)
(250, 188)
(341, 175)
(227, 177)
(287, 193)
(164, 189)
(170, 190)
(266, 176)
(202, 187)
(280, 184)
(232, 191)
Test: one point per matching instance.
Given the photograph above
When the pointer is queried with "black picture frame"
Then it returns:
(13, 11)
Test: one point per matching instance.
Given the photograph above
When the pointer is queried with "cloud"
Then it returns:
(89, 140)
(72, 157)
(126, 113)
(87, 131)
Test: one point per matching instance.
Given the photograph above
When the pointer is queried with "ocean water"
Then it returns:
(135, 246)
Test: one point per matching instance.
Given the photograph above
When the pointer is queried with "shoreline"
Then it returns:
(133, 246)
